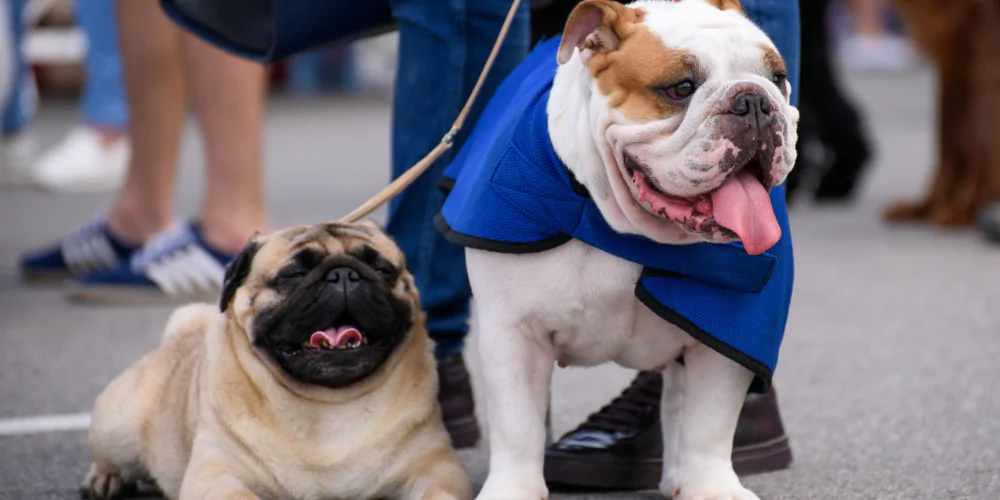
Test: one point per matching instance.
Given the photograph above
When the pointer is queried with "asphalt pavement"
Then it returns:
(889, 379)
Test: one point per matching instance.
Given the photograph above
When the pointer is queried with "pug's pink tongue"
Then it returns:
(336, 336)
(743, 206)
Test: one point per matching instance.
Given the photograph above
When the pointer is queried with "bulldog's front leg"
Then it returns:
(714, 390)
(517, 368)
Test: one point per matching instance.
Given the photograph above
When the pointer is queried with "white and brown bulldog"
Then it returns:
(674, 118)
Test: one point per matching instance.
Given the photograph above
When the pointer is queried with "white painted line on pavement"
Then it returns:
(44, 423)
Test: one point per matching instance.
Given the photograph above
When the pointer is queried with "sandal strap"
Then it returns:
(88, 249)
(178, 264)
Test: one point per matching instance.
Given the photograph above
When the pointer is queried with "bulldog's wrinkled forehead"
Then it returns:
(636, 53)
(724, 42)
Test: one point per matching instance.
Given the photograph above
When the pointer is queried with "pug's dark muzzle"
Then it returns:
(338, 321)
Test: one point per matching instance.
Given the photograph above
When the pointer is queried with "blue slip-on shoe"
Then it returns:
(88, 249)
(176, 266)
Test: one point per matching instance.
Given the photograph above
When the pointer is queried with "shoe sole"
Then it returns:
(91, 294)
(464, 431)
(573, 472)
(35, 277)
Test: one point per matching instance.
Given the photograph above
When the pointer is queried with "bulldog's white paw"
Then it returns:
(711, 483)
(500, 489)
(713, 492)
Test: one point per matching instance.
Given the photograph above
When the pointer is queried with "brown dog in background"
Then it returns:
(962, 38)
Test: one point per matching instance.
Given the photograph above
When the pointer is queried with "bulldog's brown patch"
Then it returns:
(727, 5)
(774, 61)
(630, 75)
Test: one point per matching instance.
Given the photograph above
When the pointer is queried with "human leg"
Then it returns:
(94, 155)
(443, 47)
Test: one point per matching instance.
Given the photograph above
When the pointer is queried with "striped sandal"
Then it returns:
(89, 249)
(176, 266)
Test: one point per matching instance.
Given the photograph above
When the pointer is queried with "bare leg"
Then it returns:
(154, 83)
(228, 97)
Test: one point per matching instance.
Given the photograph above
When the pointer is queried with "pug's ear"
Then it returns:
(237, 272)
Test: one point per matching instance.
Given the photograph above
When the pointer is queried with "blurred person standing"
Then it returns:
(873, 45)
(94, 154)
(833, 146)
(18, 99)
(134, 251)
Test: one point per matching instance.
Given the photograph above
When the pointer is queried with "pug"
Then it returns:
(313, 379)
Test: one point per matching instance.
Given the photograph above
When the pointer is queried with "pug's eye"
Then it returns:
(292, 274)
(679, 91)
(383, 271)
(779, 80)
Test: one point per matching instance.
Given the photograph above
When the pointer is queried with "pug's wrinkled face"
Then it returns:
(690, 109)
(327, 303)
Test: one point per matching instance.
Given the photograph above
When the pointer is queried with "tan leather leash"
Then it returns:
(401, 182)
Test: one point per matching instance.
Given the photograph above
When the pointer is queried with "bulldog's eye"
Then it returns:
(679, 91)
(779, 80)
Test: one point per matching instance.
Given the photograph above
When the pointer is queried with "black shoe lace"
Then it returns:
(629, 408)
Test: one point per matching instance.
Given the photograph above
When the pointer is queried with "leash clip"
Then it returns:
(449, 138)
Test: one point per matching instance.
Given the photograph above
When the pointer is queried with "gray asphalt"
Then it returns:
(889, 378)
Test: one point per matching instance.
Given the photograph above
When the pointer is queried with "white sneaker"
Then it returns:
(17, 153)
(882, 53)
(83, 163)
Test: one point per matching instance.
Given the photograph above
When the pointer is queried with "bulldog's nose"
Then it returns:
(750, 102)
(344, 276)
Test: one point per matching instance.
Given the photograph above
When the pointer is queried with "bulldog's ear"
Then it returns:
(595, 25)
(727, 5)
(237, 272)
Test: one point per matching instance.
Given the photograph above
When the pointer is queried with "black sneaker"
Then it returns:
(621, 446)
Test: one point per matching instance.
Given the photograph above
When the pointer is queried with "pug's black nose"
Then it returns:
(750, 102)
(343, 276)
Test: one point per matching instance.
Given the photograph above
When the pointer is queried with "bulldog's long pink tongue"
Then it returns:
(743, 206)
(342, 335)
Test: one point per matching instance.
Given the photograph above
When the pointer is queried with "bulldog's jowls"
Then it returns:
(315, 381)
(674, 117)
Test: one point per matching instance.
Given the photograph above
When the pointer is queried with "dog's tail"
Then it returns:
(191, 319)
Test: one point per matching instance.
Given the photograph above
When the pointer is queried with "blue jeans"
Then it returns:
(104, 104)
(780, 20)
(443, 45)
(18, 107)
(104, 94)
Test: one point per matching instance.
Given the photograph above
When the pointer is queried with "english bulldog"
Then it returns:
(619, 200)
(315, 380)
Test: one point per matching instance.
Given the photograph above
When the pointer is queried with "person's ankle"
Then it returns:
(135, 227)
(229, 238)
(109, 135)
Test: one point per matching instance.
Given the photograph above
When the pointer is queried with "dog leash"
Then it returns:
(414, 172)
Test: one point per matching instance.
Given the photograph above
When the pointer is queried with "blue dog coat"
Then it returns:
(510, 192)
